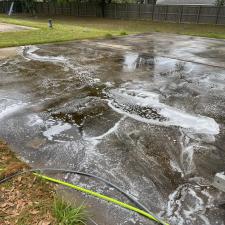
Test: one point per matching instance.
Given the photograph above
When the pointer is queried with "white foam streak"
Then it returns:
(9, 110)
(31, 55)
(130, 62)
(110, 131)
(194, 208)
(175, 117)
(56, 130)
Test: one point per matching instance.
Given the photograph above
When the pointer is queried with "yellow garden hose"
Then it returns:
(146, 213)
(101, 196)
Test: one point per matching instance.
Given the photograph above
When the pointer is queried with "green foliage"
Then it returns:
(66, 214)
(108, 36)
(123, 33)
(220, 2)
(29, 6)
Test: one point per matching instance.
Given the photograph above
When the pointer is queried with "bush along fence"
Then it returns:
(167, 13)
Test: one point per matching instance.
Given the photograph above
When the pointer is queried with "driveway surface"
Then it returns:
(146, 112)
(5, 27)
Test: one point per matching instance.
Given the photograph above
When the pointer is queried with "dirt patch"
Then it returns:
(4, 27)
(25, 199)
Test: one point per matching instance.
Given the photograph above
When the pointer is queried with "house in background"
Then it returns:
(186, 2)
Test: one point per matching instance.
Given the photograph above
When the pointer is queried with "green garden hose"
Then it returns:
(101, 196)
(143, 211)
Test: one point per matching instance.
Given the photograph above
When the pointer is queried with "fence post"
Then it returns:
(42, 7)
(199, 12)
(115, 11)
(70, 5)
(153, 12)
(181, 14)
(166, 12)
(217, 15)
(48, 8)
(54, 7)
(86, 9)
(139, 11)
(61, 8)
(127, 10)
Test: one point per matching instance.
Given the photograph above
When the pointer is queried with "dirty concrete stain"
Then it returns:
(145, 112)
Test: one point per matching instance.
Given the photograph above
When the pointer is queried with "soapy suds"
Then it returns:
(130, 62)
(84, 73)
(29, 54)
(124, 101)
(56, 129)
(34, 120)
(8, 110)
(186, 205)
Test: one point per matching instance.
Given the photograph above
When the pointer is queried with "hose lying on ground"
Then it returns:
(141, 210)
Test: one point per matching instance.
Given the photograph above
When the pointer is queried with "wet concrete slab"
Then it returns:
(145, 112)
(8, 52)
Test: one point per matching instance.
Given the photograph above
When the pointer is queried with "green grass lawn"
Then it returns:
(72, 28)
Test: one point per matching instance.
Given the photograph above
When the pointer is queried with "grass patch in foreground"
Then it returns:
(66, 214)
(72, 28)
(27, 199)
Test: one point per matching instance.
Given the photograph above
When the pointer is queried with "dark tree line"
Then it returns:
(29, 5)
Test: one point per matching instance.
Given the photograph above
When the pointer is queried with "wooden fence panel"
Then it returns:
(74, 9)
(121, 11)
(5, 5)
(45, 8)
(190, 14)
(146, 11)
(132, 11)
(170, 13)
(110, 10)
(221, 16)
(159, 12)
(65, 9)
(51, 7)
(208, 15)
(173, 14)
(1, 7)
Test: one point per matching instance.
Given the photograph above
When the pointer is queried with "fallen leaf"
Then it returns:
(44, 223)
(34, 212)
